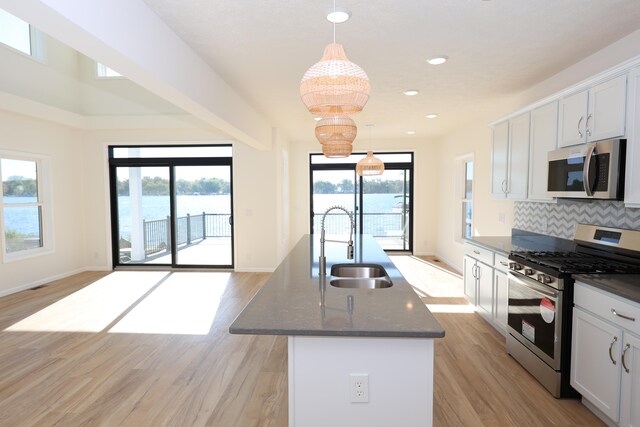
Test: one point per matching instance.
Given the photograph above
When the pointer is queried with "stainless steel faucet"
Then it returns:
(323, 259)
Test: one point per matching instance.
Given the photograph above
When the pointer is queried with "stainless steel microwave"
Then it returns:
(588, 171)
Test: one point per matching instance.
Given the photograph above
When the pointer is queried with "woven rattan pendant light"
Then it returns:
(370, 165)
(336, 134)
(335, 85)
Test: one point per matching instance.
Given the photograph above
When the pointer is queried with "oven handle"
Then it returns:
(585, 172)
(533, 285)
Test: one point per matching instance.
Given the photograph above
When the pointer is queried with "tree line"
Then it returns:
(371, 186)
(157, 186)
(19, 186)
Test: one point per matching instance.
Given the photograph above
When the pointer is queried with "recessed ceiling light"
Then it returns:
(411, 92)
(411, 132)
(431, 116)
(437, 60)
(317, 119)
(338, 15)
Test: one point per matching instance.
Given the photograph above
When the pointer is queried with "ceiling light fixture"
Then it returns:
(334, 85)
(411, 92)
(370, 165)
(338, 15)
(437, 60)
(336, 134)
(411, 132)
(431, 116)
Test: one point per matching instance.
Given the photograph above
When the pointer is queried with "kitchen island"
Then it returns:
(356, 356)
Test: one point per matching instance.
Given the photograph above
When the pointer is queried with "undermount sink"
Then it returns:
(363, 276)
(362, 283)
(358, 270)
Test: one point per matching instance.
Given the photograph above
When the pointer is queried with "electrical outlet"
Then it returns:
(359, 388)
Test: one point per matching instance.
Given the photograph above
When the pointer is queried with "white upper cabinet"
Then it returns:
(632, 173)
(511, 158)
(593, 114)
(500, 158)
(544, 138)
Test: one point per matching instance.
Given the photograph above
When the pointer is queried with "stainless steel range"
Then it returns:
(541, 298)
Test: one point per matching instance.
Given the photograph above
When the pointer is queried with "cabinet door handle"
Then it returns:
(615, 313)
(586, 125)
(615, 339)
(624, 352)
(473, 271)
(579, 123)
(504, 186)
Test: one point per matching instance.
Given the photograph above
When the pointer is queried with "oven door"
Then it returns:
(535, 317)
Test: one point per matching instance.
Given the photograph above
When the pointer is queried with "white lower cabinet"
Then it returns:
(605, 354)
(485, 284)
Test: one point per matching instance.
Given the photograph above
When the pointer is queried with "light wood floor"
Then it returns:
(71, 354)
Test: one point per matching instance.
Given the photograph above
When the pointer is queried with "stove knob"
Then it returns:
(515, 266)
(544, 278)
(528, 271)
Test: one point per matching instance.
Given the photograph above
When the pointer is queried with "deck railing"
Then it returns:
(190, 229)
(390, 224)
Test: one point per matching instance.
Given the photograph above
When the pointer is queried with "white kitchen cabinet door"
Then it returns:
(470, 279)
(572, 119)
(500, 160)
(632, 173)
(485, 289)
(630, 405)
(595, 352)
(501, 300)
(544, 138)
(518, 165)
(607, 107)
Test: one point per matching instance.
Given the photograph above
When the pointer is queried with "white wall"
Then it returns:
(65, 148)
(476, 137)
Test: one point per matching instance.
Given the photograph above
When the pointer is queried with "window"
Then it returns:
(105, 72)
(23, 206)
(18, 34)
(465, 192)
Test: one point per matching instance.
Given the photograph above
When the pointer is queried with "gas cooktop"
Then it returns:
(574, 262)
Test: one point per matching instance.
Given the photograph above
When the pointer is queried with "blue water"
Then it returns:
(25, 219)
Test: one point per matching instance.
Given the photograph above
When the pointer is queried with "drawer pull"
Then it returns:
(506, 264)
(476, 252)
(613, 341)
(624, 352)
(615, 313)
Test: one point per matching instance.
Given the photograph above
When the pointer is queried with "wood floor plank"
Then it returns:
(102, 378)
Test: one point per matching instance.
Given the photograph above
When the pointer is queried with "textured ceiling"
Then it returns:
(496, 48)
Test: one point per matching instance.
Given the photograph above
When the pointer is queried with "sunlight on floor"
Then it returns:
(94, 307)
(427, 279)
(451, 308)
(186, 303)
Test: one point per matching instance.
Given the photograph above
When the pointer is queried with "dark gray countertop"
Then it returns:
(624, 285)
(523, 241)
(289, 303)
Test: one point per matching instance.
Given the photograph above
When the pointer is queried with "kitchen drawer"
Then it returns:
(479, 253)
(604, 304)
(501, 263)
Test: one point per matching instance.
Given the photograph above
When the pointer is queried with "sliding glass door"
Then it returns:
(172, 210)
(381, 204)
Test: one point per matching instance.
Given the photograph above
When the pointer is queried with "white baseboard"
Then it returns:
(253, 270)
(48, 279)
(455, 265)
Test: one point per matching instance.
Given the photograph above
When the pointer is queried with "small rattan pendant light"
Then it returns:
(370, 165)
(335, 85)
(336, 134)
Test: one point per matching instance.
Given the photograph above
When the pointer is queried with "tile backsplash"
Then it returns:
(560, 219)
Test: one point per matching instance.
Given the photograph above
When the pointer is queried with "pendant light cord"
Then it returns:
(334, 22)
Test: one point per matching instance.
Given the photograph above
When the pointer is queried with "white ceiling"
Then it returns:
(496, 48)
